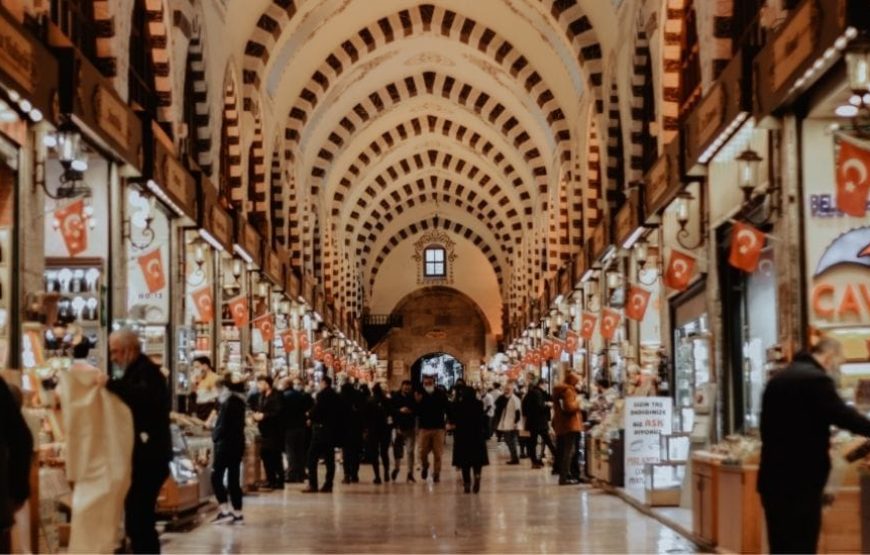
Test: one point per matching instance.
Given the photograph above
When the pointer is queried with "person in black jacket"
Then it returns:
(378, 431)
(470, 429)
(431, 411)
(799, 406)
(352, 406)
(143, 388)
(229, 448)
(297, 403)
(405, 419)
(536, 411)
(16, 451)
(267, 407)
(325, 429)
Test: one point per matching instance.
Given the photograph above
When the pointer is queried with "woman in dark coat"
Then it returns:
(229, 447)
(352, 437)
(469, 437)
(378, 432)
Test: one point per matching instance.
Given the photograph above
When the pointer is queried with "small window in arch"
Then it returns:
(435, 261)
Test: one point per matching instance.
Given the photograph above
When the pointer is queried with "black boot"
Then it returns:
(477, 483)
(466, 486)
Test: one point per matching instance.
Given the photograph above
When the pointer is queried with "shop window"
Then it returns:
(435, 263)
(434, 254)
(141, 73)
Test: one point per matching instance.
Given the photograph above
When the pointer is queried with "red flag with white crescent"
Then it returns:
(679, 271)
(547, 350)
(636, 303)
(303, 341)
(266, 325)
(71, 223)
(558, 349)
(204, 303)
(746, 245)
(317, 354)
(587, 325)
(239, 310)
(571, 341)
(609, 321)
(853, 178)
(536, 357)
(288, 342)
(152, 268)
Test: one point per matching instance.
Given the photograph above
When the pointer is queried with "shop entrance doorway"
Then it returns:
(443, 366)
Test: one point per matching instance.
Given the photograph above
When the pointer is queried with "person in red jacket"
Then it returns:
(567, 424)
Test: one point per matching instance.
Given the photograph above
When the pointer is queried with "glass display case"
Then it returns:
(691, 367)
(663, 483)
(675, 447)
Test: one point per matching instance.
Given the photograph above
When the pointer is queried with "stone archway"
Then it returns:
(445, 367)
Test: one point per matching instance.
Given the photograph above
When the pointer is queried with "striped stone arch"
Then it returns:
(104, 25)
(593, 197)
(158, 37)
(258, 199)
(581, 35)
(722, 47)
(469, 180)
(673, 32)
(392, 94)
(429, 19)
(294, 220)
(197, 108)
(615, 151)
(644, 144)
(278, 197)
(311, 240)
(269, 27)
(446, 127)
(231, 148)
(434, 223)
(376, 222)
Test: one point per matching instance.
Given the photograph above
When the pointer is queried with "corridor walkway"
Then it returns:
(518, 511)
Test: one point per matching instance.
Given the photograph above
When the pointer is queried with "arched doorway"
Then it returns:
(443, 366)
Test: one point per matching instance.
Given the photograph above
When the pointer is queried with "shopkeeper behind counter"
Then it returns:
(206, 387)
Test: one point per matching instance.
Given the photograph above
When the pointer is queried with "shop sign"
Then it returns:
(26, 66)
(662, 183)
(294, 287)
(174, 178)
(627, 219)
(646, 420)
(794, 45)
(565, 283)
(16, 55)
(599, 241)
(250, 240)
(274, 268)
(112, 115)
(221, 225)
(579, 265)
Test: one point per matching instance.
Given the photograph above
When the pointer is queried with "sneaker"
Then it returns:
(221, 518)
(477, 484)
(411, 479)
(237, 519)
(425, 472)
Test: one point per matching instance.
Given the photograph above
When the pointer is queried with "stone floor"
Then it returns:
(519, 510)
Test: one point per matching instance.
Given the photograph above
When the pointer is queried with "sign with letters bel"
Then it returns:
(646, 419)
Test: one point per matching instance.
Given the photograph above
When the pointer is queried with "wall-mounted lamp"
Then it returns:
(858, 69)
(67, 145)
(748, 164)
(592, 303)
(199, 252)
(237, 269)
(641, 257)
(683, 233)
(141, 218)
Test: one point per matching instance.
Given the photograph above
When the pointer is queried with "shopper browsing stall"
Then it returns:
(229, 448)
(206, 387)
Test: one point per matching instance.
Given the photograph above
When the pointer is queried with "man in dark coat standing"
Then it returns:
(297, 403)
(143, 388)
(536, 411)
(325, 430)
(16, 452)
(229, 448)
(267, 409)
(799, 406)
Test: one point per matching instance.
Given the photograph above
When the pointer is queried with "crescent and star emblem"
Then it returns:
(854, 165)
(747, 240)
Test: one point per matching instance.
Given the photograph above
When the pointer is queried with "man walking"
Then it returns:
(297, 403)
(267, 414)
(432, 412)
(536, 411)
(325, 417)
(799, 406)
(143, 388)
(567, 425)
(405, 418)
(508, 410)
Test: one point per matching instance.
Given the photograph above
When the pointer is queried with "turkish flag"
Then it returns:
(536, 357)
(571, 342)
(71, 223)
(558, 349)
(609, 321)
(204, 303)
(746, 245)
(329, 360)
(853, 178)
(317, 354)
(152, 269)
(527, 358)
(266, 325)
(636, 303)
(680, 269)
(239, 310)
(340, 364)
(547, 350)
(288, 342)
(303, 341)
(587, 325)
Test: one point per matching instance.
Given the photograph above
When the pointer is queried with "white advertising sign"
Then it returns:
(646, 419)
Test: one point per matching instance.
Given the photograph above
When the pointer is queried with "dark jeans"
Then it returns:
(544, 436)
(567, 456)
(140, 505)
(294, 447)
(379, 445)
(466, 473)
(274, 465)
(231, 467)
(510, 438)
(793, 523)
(320, 449)
(350, 461)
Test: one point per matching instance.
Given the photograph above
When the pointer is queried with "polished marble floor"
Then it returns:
(519, 510)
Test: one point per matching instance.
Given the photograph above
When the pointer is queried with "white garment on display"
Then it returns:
(99, 437)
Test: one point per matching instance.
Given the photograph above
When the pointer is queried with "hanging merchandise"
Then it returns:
(609, 322)
(152, 268)
(266, 325)
(587, 327)
(853, 176)
(203, 300)
(303, 342)
(288, 342)
(71, 222)
(239, 311)
(746, 245)
(638, 300)
(680, 269)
